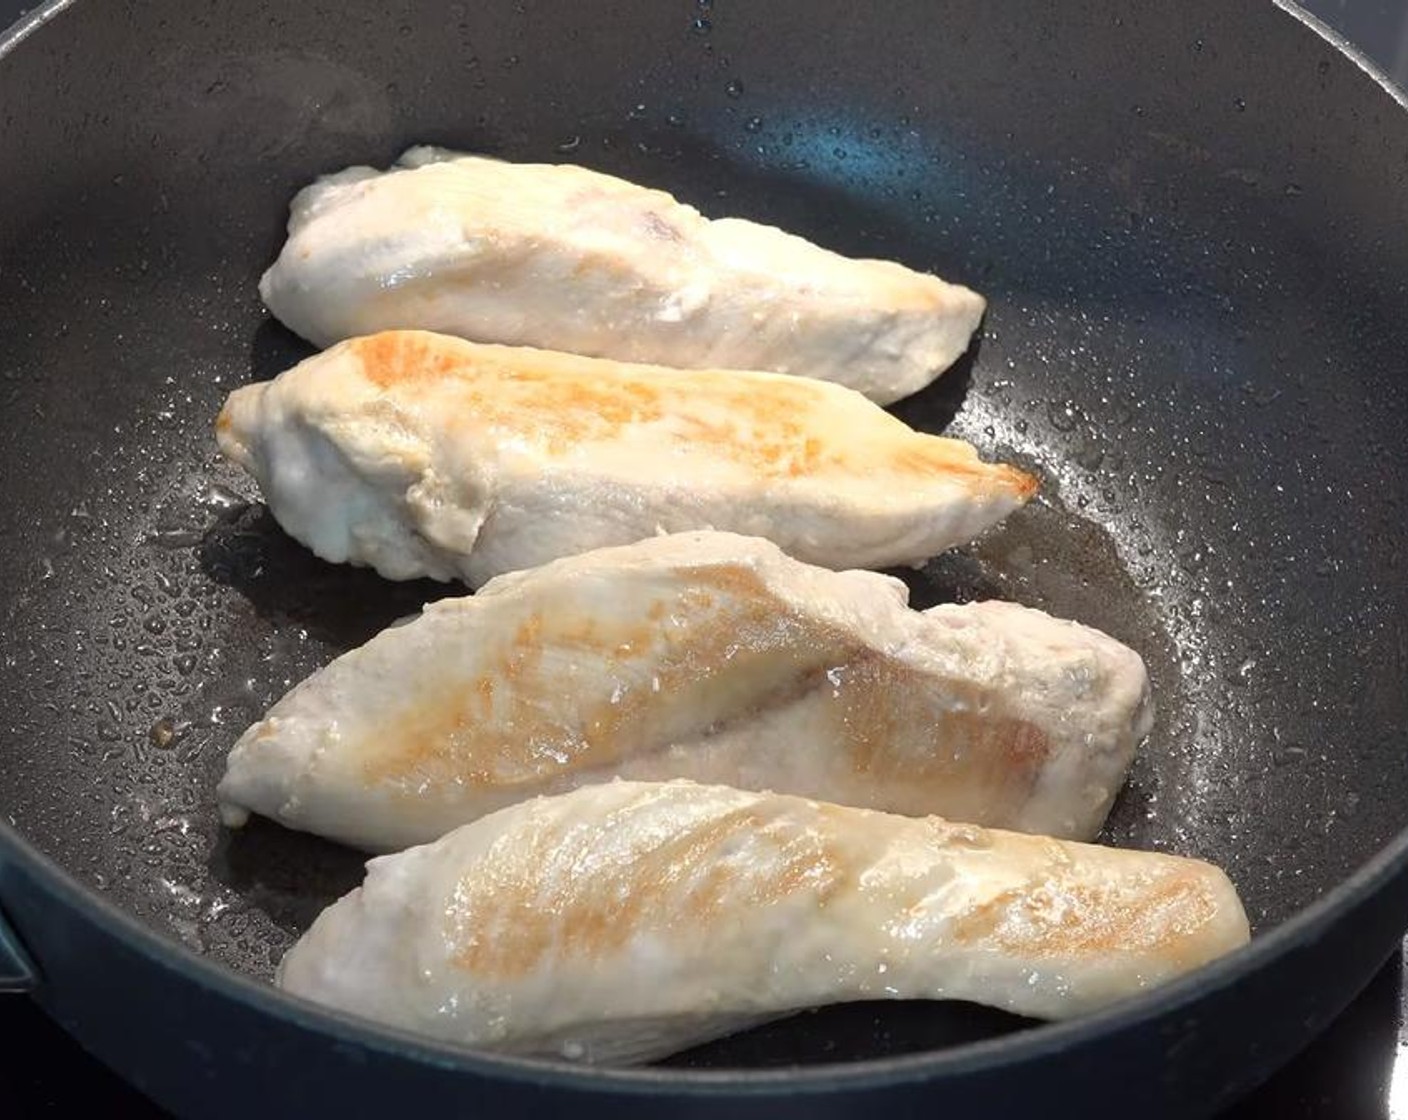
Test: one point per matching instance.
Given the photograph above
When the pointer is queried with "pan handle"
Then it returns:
(17, 971)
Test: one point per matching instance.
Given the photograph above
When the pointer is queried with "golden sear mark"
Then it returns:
(957, 739)
(396, 357)
(440, 732)
(773, 427)
(541, 901)
(516, 721)
(1056, 918)
(926, 456)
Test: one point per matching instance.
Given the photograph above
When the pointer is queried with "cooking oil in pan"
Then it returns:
(196, 613)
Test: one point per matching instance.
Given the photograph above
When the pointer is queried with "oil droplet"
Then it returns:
(1063, 415)
(1089, 456)
(222, 500)
(162, 733)
(173, 539)
(1241, 675)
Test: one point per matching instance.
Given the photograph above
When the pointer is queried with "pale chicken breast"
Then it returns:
(706, 656)
(423, 455)
(625, 921)
(563, 258)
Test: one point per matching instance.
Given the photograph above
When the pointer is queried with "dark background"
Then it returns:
(1349, 1072)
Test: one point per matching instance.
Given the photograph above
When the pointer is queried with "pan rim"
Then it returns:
(31, 21)
(965, 1059)
(1326, 32)
(961, 1060)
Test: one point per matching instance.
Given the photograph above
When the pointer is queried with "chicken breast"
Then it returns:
(705, 656)
(625, 921)
(564, 258)
(424, 455)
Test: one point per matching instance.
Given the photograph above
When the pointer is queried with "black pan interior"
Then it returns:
(1192, 224)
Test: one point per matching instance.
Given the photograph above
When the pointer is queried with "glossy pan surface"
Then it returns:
(1192, 228)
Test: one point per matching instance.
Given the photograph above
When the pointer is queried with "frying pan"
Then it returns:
(1191, 221)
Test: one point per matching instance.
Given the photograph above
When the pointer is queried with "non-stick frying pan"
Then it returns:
(1192, 223)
